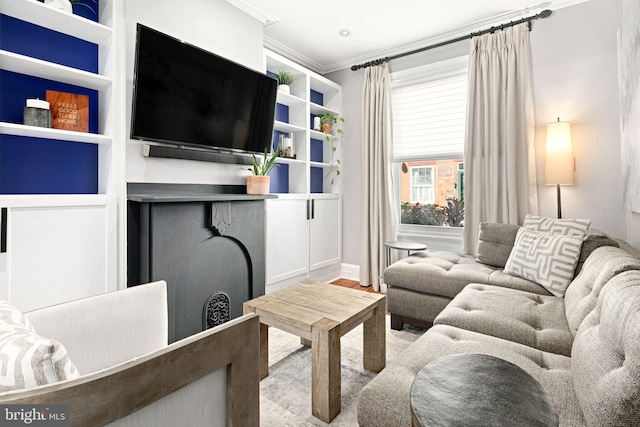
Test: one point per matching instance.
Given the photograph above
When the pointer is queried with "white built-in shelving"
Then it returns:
(304, 225)
(102, 34)
(301, 107)
(84, 251)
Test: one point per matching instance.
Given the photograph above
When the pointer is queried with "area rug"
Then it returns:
(285, 395)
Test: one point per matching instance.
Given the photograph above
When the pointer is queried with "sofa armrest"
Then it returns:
(103, 397)
(107, 329)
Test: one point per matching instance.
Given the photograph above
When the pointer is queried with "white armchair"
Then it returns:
(131, 377)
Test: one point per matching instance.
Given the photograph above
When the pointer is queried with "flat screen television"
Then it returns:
(184, 95)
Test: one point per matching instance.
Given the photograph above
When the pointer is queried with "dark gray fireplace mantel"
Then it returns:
(168, 193)
(204, 240)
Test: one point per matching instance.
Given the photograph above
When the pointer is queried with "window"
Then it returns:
(429, 113)
(422, 184)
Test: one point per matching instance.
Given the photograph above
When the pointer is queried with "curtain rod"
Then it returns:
(544, 14)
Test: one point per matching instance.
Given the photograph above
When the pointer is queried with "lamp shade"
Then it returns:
(558, 163)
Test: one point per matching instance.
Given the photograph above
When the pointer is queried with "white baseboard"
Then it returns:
(350, 271)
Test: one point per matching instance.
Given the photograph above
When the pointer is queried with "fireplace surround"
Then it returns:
(207, 243)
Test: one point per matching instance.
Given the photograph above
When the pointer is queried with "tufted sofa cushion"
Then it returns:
(495, 242)
(385, 400)
(446, 273)
(605, 361)
(537, 321)
(582, 295)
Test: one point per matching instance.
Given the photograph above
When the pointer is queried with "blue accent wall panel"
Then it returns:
(317, 152)
(317, 97)
(44, 166)
(31, 40)
(282, 113)
(279, 179)
(317, 177)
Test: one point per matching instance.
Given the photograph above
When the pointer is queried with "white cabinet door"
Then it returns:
(57, 249)
(325, 245)
(287, 238)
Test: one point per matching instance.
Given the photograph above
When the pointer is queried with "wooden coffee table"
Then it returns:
(320, 314)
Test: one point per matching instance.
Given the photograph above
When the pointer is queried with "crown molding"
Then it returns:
(441, 37)
(253, 10)
(416, 44)
(293, 55)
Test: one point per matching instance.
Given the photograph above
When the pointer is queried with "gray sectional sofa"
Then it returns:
(420, 286)
(584, 348)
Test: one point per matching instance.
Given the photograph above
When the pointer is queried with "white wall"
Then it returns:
(575, 77)
(213, 25)
(574, 61)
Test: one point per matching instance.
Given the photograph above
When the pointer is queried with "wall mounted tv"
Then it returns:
(184, 95)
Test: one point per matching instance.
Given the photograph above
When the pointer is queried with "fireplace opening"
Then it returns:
(216, 310)
(206, 242)
(213, 280)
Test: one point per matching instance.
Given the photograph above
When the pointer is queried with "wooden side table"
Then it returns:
(477, 389)
(320, 314)
(402, 246)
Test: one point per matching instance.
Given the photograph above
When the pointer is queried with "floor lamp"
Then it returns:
(559, 163)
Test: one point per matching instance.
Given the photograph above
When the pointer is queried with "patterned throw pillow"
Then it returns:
(566, 227)
(28, 360)
(546, 259)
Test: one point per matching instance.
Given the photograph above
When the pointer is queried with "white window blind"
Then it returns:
(429, 111)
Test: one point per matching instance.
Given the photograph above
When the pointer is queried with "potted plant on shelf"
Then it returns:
(285, 80)
(259, 182)
(327, 120)
(327, 123)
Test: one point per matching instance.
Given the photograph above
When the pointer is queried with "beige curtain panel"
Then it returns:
(499, 157)
(379, 216)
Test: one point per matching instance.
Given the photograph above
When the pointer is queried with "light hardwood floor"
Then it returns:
(353, 284)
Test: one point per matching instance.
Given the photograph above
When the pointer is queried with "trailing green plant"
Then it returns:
(82, 3)
(333, 138)
(262, 168)
(330, 118)
(285, 78)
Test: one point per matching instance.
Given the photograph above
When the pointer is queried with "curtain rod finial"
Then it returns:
(545, 13)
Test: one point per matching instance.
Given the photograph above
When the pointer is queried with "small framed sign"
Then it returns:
(69, 111)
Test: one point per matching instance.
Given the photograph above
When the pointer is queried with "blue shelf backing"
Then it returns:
(42, 43)
(85, 12)
(16, 88)
(46, 166)
(317, 150)
(282, 113)
(317, 97)
(317, 177)
(279, 179)
(43, 166)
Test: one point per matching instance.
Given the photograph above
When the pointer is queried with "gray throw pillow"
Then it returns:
(495, 242)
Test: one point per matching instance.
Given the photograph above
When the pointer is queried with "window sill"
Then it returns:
(438, 238)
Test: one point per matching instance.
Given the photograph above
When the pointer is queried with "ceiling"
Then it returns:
(308, 32)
